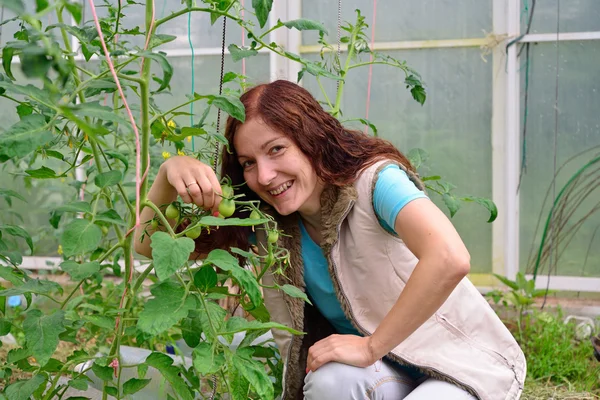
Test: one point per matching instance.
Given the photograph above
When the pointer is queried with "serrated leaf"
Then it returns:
(80, 236)
(23, 390)
(245, 279)
(18, 231)
(507, 282)
(5, 327)
(205, 278)
(206, 362)
(419, 94)
(169, 254)
(452, 203)
(41, 333)
(303, 24)
(7, 194)
(76, 206)
(30, 91)
(162, 61)
(79, 384)
(134, 385)
(25, 136)
(217, 316)
(108, 178)
(35, 286)
(262, 8)
(55, 154)
(231, 105)
(96, 110)
(110, 216)
(100, 321)
(254, 372)
(7, 56)
(163, 364)
(75, 10)
(120, 157)
(80, 271)
(293, 291)
(168, 307)
(238, 53)
(160, 39)
(42, 173)
(238, 324)
(230, 76)
(191, 329)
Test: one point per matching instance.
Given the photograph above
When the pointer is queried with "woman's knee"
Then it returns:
(332, 381)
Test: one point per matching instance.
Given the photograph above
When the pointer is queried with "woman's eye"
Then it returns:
(246, 164)
(276, 149)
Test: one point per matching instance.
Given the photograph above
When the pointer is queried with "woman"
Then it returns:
(394, 316)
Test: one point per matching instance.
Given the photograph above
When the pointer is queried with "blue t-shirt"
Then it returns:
(393, 191)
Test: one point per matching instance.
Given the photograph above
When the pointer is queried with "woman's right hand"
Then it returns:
(193, 180)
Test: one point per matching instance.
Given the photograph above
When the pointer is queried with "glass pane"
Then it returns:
(405, 19)
(576, 130)
(574, 16)
(454, 126)
(203, 34)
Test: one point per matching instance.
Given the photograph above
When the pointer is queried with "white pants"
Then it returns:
(381, 381)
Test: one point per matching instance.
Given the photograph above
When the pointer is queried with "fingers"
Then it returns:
(196, 183)
(214, 182)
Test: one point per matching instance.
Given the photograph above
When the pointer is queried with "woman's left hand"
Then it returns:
(345, 349)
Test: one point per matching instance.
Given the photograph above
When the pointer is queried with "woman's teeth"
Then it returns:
(280, 189)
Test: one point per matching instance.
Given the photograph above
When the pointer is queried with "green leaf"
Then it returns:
(41, 333)
(18, 231)
(245, 279)
(120, 157)
(254, 372)
(110, 216)
(42, 173)
(7, 194)
(102, 372)
(417, 157)
(111, 391)
(239, 385)
(23, 110)
(216, 221)
(507, 282)
(230, 76)
(303, 24)
(75, 10)
(35, 61)
(217, 316)
(169, 254)
(161, 59)
(451, 202)
(98, 86)
(371, 125)
(191, 329)
(205, 278)
(134, 385)
(80, 236)
(101, 321)
(80, 271)
(239, 324)
(521, 281)
(23, 390)
(35, 286)
(206, 362)
(163, 363)
(187, 131)
(96, 110)
(30, 91)
(76, 206)
(231, 105)
(79, 384)
(293, 291)
(169, 305)
(7, 56)
(55, 154)
(160, 39)
(25, 136)
(262, 8)
(41, 5)
(238, 53)
(5, 327)
(108, 178)
(15, 6)
(487, 203)
(418, 93)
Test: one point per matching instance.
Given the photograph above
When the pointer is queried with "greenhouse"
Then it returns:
(235, 199)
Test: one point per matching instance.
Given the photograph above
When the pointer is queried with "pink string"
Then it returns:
(371, 65)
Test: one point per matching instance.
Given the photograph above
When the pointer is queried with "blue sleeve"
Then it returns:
(393, 191)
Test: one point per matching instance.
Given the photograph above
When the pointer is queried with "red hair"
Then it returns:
(337, 154)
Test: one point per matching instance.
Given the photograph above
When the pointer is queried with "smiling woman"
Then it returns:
(382, 265)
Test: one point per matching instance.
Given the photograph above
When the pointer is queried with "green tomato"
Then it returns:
(172, 212)
(194, 233)
(104, 230)
(154, 224)
(226, 208)
(227, 191)
(273, 237)
(254, 215)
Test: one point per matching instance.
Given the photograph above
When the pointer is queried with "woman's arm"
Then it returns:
(187, 177)
(443, 262)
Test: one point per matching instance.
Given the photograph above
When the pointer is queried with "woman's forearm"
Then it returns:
(427, 289)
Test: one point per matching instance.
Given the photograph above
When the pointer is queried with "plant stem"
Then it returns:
(325, 94)
(110, 251)
(140, 280)
(65, 301)
(160, 215)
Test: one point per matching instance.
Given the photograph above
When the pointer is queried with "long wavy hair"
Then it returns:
(337, 154)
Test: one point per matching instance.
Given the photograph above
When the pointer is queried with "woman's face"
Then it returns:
(276, 170)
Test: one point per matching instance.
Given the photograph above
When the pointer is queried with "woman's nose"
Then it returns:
(266, 173)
